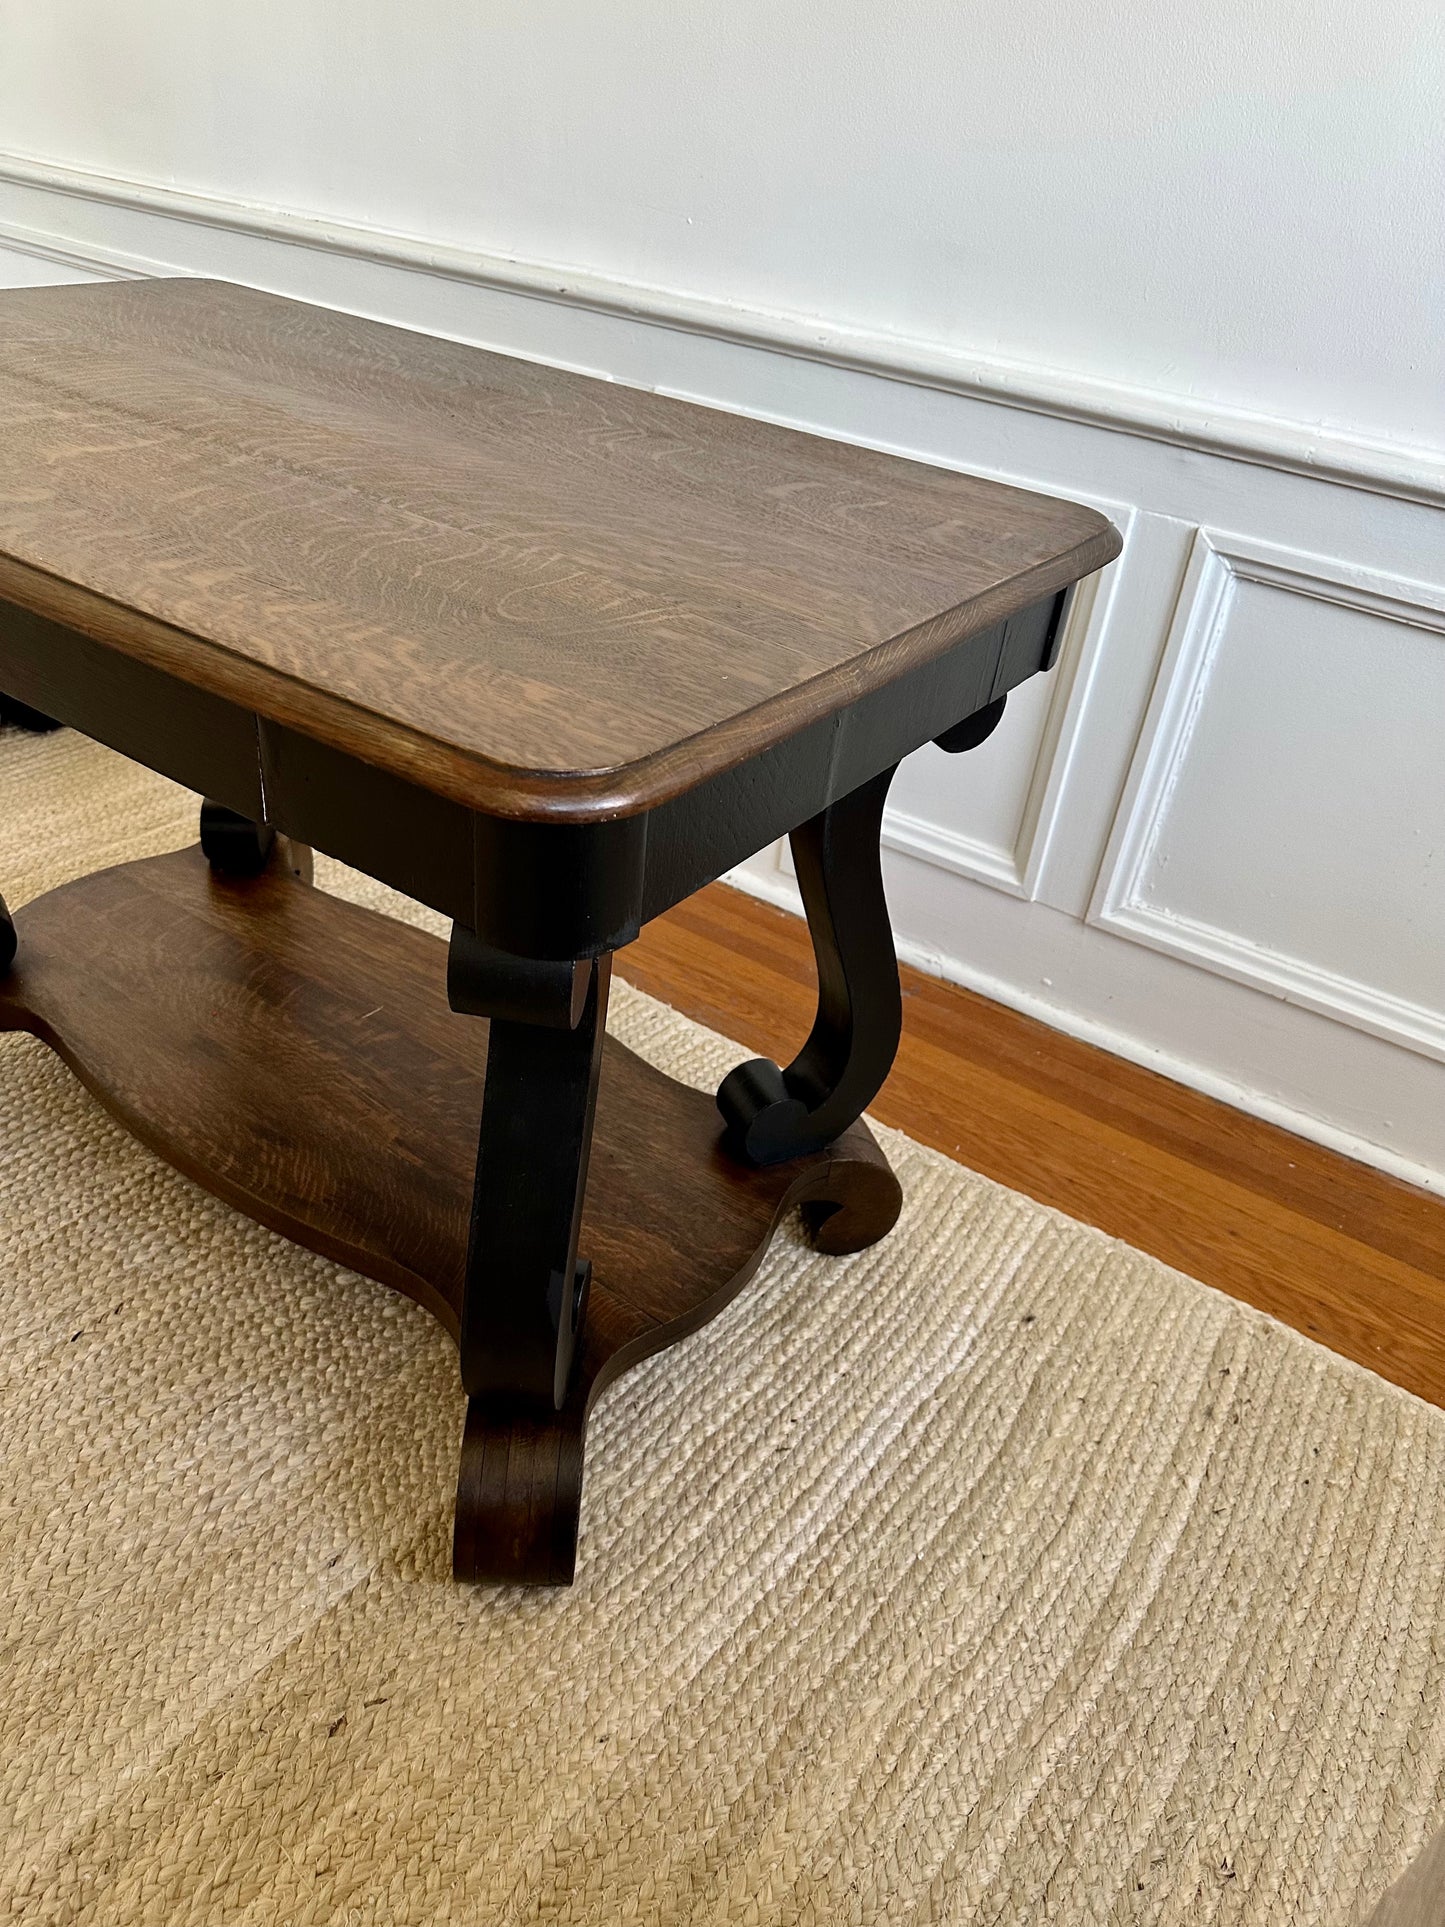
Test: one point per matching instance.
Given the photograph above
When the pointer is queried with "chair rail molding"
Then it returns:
(1218, 563)
(1327, 452)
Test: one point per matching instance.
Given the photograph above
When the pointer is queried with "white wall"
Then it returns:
(1188, 267)
(1233, 202)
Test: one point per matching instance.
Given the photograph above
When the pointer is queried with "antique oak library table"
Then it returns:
(547, 654)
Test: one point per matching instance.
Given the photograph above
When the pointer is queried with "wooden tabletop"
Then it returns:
(538, 593)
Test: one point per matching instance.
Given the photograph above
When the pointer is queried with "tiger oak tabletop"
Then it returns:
(539, 593)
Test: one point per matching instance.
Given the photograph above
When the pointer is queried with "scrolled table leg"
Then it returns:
(524, 1305)
(775, 1114)
(771, 1114)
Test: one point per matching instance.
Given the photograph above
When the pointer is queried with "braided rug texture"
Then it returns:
(998, 1574)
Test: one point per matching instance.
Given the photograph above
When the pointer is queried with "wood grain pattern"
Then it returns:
(1342, 1252)
(296, 1055)
(550, 888)
(1417, 1898)
(505, 581)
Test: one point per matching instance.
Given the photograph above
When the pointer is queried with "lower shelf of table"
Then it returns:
(296, 1055)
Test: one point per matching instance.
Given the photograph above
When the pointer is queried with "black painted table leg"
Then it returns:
(237, 847)
(773, 1114)
(234, 845)
(524, 1304)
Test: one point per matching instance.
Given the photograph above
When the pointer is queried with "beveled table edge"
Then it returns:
(479, 783)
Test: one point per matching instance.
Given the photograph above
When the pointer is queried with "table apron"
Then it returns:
(536, 888)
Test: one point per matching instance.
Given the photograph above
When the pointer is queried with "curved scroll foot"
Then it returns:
(519, 1493)
(856, 1200)
(7, 938)
(519, 1488)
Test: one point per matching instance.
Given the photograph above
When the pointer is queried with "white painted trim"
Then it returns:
(1218, 561)
(915, 836)
(1073, 673)
(1330, 453)
(1018, 869)
(1182, 1070)
(951, 850)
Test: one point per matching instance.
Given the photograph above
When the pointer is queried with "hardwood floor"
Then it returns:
(1338, 1250)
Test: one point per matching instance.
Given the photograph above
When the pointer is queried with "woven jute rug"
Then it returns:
(998, 1574)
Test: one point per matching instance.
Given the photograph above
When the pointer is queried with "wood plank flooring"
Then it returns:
(1338, 1250)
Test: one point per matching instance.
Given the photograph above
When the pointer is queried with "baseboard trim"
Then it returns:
(1305, 448)
(780, 891)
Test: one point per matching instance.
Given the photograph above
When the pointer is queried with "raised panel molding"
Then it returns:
(1217, 563)
(1017, 868)
(953, 851)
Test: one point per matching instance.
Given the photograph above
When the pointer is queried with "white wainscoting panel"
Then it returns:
(1285, 819)
(989, 814)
